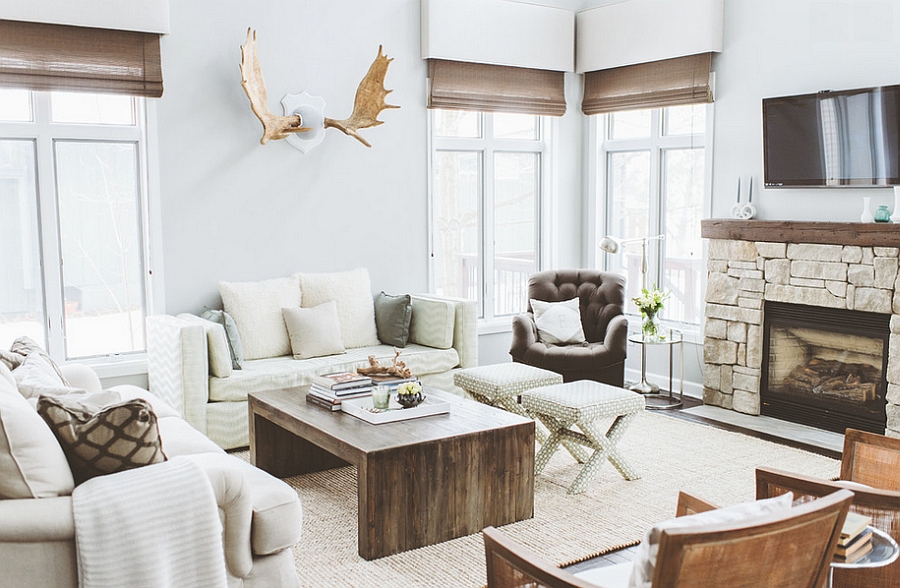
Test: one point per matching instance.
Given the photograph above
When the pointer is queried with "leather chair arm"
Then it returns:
(524, 334)
(616, 340)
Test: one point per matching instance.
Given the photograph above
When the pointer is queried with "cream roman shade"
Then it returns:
(457, 85)
(42, 56)
(669, 82)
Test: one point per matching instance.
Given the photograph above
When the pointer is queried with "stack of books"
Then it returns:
(856, 538)
(330, 390)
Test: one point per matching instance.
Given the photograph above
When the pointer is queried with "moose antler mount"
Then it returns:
(304, 122)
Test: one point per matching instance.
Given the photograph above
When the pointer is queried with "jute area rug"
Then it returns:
(670, 454)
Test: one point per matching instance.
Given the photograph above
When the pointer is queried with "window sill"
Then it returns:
(117, 366)
(503, 325)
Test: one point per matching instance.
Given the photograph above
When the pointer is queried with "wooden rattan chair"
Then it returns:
(790, 551)
(882, 505)
(871, 459)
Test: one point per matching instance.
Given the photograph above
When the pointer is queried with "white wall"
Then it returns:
(235, 210)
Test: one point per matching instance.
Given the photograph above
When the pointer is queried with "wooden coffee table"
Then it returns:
(420, 481)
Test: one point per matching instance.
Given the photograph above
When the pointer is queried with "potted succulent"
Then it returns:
(650, 302)
(409, 394)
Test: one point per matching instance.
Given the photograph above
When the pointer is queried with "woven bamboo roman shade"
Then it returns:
(42, 56)
(458, 85)
(669, 82)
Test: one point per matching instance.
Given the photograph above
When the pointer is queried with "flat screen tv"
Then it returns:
(847, 138)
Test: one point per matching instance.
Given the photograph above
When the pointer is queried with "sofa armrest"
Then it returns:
(616, 340)
(465, 328)
(524, 335)
(178, 366)
(233, 496)
(33, 520)
(81, 376)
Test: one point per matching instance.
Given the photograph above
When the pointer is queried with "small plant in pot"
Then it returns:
(409, 394)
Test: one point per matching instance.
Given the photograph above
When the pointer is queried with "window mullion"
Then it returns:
(487, 232)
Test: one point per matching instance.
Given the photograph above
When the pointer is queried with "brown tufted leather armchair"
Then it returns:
(601, 297)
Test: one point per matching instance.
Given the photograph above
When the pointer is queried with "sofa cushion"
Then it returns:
(31, 461)
(256, 310)
(285, 372)
(115, 438)
(179, 438)
(352, 292)
(232, 336)
(431, 323)
(219, 354)
(392, 317)
(315, 331)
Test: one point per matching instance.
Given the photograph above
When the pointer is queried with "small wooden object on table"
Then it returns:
(419, 481)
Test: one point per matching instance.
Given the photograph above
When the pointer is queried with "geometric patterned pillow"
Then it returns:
(119, 437)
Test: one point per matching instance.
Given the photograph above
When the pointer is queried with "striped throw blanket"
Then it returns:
(152, 527)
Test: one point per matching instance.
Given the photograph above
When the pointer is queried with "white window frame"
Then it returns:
(486, 145)
(44, 134)
(599, 146)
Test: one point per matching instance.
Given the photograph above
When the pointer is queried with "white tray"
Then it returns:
(362, 408)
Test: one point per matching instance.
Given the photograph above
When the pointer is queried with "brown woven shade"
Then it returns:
(41, 56)
(457, 85)
(670, 82)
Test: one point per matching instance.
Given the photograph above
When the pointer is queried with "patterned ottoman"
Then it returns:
(581, 404)
(502, 384)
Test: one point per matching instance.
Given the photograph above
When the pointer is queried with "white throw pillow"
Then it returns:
(647, 551)
(432, 322)
(37, 376)
(32, 463)
(256, 310)
(216, 345)
(315, 332)
(352, 291)
(558, 322)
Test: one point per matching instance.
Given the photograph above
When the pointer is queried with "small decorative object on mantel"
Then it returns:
(304, 122)
(409, 394)
(745, 211)
(397, 368)
(650, 302)
(895, 218)
(867, 216)
(882, 215)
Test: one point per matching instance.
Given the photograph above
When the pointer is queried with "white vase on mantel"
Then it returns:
(895, 218)
(867, 216)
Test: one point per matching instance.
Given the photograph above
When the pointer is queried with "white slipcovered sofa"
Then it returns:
(442, 338)
(261, 515)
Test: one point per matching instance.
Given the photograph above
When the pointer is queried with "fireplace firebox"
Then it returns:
(824, 367)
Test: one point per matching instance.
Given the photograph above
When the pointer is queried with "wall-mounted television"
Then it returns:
(847, 138)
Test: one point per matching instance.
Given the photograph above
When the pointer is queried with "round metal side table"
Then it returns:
(656, 398)
(884, 551)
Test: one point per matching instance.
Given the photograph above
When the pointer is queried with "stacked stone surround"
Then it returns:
(744, 274)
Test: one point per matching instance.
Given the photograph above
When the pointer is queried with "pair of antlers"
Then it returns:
(367, 106)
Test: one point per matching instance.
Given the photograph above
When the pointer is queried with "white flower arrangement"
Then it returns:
(410, 388)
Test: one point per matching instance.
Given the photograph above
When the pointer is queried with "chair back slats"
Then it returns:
(882, 505)
(793, 550)
(871, 459)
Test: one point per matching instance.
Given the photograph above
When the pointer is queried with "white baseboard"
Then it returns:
(691, 389)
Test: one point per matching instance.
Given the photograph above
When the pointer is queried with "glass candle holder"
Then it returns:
(381, 397)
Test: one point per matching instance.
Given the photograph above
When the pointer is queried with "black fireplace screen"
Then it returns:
(824, 367)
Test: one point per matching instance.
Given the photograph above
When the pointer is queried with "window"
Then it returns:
(653, 170)
(486, 194)
(72, 222)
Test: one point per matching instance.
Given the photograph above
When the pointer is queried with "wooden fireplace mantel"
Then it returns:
(827, 233)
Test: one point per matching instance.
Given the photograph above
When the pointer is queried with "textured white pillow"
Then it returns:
(37, 376)
(32, 463)
(315, 332)
(647, 551)
(558, 322)
(216, 345)
(352, 291)
(432, 322)
(256, 310)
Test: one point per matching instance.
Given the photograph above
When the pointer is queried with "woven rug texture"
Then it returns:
(669, 453)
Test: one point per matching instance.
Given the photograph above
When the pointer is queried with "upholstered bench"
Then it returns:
(582, 404)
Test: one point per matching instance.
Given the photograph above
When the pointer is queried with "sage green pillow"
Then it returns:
(231, 334)
(392, 315)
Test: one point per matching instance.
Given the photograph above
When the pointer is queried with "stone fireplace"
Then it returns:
(848, 267)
